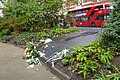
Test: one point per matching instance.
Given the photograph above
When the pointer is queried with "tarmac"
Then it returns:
(13, 67)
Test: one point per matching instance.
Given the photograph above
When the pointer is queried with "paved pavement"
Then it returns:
(13, 67)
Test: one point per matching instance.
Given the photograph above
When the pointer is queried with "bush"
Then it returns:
(5, 38)
(32, 14)
(5, 32)
(110, 36)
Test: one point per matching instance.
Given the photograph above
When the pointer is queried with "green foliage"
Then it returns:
(110, 36)
(23, 37)
(5, 38)
(68, 60)
(12, 23)
(86, 67)
(77, 48)
(100, 76)
(69, 56)
(105, 57)
(26, 37)
(32, 52)
(65, 62)
(55, 32)
(5, 32)
(37, 14)
(30, 47)
(114, 76)
(103, 76)
(81, 57)
(89, 58)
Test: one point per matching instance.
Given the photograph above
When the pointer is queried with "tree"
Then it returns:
(34, 13)
(110, 36)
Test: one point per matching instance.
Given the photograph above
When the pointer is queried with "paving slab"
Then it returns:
(13, 67)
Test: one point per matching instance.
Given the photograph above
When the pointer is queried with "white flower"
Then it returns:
(37, 59)
(1, 5)
(34, 47)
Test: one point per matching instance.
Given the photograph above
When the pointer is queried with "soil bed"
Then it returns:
(73, 74)
(70, 72)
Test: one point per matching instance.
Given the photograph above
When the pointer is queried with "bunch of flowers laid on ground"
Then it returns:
(31, 55)
(57, 56)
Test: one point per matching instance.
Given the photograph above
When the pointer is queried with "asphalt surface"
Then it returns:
(13, 67)
(66, 41)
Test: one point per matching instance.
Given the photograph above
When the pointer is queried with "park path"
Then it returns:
(13, 67)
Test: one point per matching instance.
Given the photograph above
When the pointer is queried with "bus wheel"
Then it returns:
(93, 24)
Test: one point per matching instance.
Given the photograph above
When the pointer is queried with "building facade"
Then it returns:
(93, 2)
(86, 2)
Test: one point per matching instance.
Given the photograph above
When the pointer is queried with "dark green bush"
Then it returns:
(34, 13)
(110, 36)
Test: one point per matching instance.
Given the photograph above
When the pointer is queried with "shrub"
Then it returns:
(5, 32)
(5, 38)
(89, 58)
(110, 36)
(37, 14)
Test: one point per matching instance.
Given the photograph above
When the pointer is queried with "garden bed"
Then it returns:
(75, 76)
(91, 62)
(20, 39)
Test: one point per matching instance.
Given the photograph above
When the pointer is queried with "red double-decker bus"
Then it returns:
(93, 15)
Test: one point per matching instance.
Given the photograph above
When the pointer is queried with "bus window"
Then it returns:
(99, 8)
(85, 10)
(107, 16)
(83, 19)
(103, 17)
(77, 19)
(83, 14)
(107, 7)
(100, 17)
